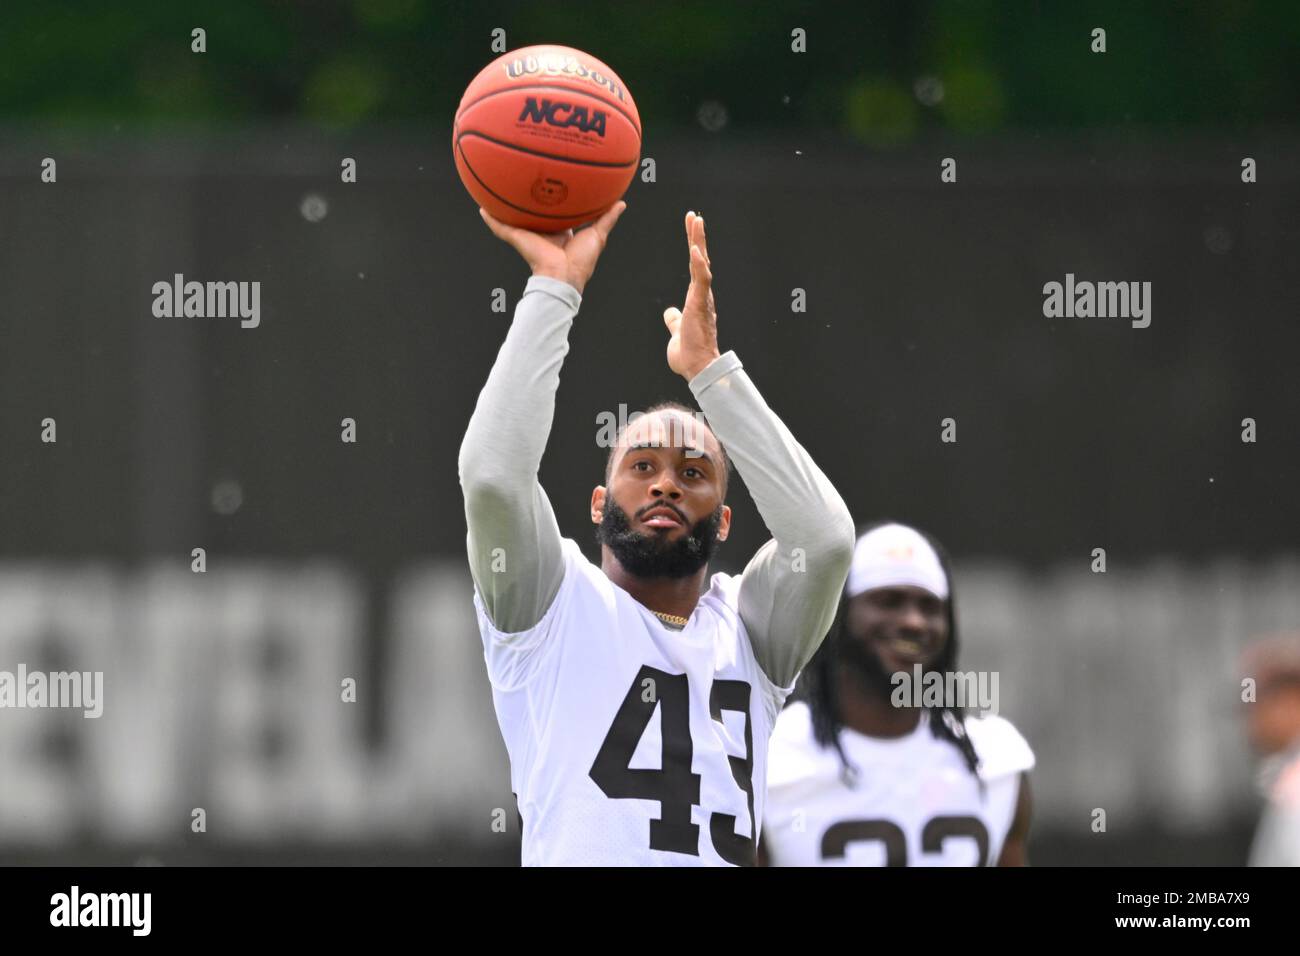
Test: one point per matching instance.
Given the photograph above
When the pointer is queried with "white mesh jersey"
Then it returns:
(633, 744)
(915, 802)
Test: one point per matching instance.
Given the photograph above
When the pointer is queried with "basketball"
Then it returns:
(546, 138)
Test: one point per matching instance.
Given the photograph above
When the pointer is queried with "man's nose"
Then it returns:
(666, 486)
(910, 618)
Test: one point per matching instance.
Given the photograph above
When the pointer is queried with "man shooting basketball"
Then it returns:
(637, 710)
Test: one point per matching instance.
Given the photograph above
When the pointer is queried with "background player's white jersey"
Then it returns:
(631, 743)
(915, 802)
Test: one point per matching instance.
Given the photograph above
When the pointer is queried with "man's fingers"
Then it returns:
(701, 240)
(498, 228)
(507, 234)
(672, 318)
(700, 267)
(605, 224)
(695, 234)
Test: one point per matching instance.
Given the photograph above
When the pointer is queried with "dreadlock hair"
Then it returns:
(822, 689)
(692, 413)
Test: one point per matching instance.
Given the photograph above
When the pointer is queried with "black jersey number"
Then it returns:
(836, 839)
(674, 786)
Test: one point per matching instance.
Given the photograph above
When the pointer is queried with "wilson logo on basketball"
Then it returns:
(560, 65)
(563, 114)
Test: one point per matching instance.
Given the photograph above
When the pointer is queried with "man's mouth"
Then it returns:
(910, 649)
(662, 518)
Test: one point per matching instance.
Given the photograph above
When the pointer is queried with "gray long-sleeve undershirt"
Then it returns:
(790, 588)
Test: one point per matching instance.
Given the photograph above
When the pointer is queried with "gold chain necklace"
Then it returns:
(670, 618)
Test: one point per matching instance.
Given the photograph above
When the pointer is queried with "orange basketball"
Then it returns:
(546, 138)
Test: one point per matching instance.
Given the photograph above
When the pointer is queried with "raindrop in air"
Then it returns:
(928, 90)
(314, 208)
(1218, 240)
(712, 115)
(227, 497)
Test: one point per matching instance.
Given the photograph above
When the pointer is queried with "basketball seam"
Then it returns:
(507, 202)
(535, 152)
(549, 86)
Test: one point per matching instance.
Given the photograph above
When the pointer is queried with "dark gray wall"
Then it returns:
(924, 300)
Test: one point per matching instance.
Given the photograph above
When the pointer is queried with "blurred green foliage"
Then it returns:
(883, 73)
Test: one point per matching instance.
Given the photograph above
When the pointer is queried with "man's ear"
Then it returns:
(724, 526)
(597, 504)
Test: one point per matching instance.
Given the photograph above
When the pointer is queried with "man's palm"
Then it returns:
(564, 255)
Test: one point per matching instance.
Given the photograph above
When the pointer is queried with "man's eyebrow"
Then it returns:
(691, 450)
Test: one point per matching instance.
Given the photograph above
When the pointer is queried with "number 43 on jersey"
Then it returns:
(674, 786)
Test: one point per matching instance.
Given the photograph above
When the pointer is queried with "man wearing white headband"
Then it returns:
(864, 772)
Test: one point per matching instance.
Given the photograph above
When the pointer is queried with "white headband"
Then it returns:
(895, 554)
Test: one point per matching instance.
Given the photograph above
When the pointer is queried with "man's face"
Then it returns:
(893, 628)
(662, 513)
(1273, 718)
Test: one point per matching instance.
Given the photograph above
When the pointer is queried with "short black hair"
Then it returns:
(671, 406)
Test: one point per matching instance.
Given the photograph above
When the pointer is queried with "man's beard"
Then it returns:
(653, 556)
(868, 670)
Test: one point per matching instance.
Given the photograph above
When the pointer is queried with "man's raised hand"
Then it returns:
(567, 256)
(694, 328)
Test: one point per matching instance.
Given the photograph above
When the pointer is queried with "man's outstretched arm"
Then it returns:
(790, 589)
(514, 540)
